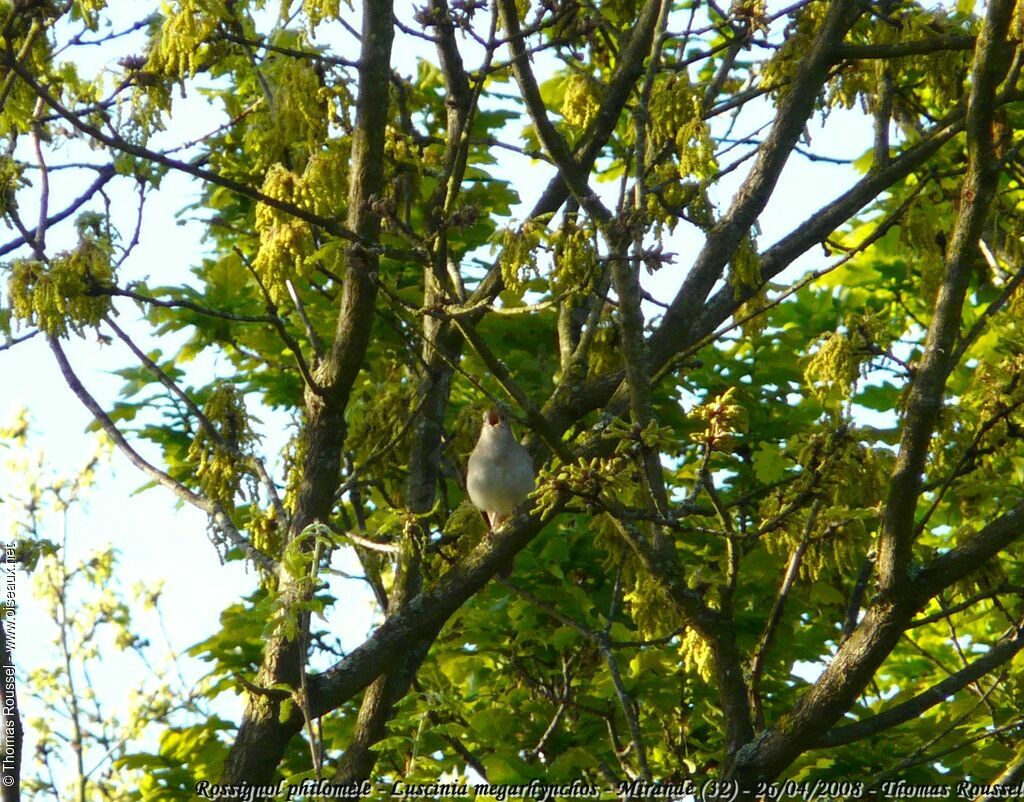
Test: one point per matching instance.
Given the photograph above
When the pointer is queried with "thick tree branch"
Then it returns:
(857, 593)
(816, 229)
(1002, 652)
(862, 653)
(882, 119)
(425, 614)
(973, 553)
(992, 59)
(262, 736)
(725, 238)
(441, 348)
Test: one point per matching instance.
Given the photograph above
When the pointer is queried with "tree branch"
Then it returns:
(896, 537)
(117, 143)
(920, 47)
(103, 176)
(1002, 652)
(218, 516)
(1014, 773)
(985, 317)
(594, 139)
(816, 229)
(970, 555)
(862, 653)
(425, 614)
(263, 734)
(205, 422)
(573, 174)
(966, 604)
(440, 354)
(725, 238)
(778, 608)
(663, 565)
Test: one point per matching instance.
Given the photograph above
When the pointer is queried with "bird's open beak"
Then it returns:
(493, 418)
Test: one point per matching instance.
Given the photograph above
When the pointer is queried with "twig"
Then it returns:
(991, 310)
(44, 178)
(536, 418)
(181, 304)
(860, 587)
(205, 422)
(104, 174)
(219, 517)
(788, 580)
(629, 706)
(372, 545)
(116, 142)
(966, 604)
(970, 452)
(282, 331)
(16, 340)
(876, 234)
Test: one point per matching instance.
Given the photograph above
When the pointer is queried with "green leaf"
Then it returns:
(769, 463)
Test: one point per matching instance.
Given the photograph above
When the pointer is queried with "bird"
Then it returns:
(499, 476)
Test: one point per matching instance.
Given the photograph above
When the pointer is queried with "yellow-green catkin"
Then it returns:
(185, 37)
(833, 369)
(286, 242)
(222, 459)
(69, 293)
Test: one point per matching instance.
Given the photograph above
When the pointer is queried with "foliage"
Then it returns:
(85, 744)
(779, 485)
